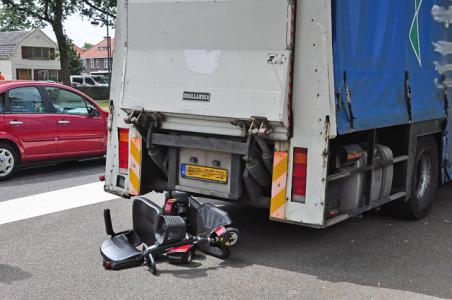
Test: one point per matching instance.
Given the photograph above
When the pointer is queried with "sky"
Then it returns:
(81, 31)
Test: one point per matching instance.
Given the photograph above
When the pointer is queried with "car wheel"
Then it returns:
(424, 183)
(9, 159)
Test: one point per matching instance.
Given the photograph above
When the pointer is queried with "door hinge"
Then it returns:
(348, 96)
(408, 97)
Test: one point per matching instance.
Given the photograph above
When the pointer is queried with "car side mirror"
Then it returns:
(92, 112)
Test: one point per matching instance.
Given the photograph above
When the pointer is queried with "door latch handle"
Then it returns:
(63, 122)
(15, 122)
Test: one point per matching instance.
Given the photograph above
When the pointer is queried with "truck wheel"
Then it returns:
(424, 182)
(9, 159)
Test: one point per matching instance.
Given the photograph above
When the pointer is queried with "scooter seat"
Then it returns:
(119, 253)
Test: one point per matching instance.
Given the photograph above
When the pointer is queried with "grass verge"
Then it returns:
(103, 104)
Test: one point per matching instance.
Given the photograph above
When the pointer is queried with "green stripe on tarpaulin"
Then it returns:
(414, 31)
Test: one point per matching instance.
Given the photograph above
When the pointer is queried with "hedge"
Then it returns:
(96, 92)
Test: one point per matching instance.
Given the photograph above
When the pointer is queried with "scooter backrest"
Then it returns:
(145, 216)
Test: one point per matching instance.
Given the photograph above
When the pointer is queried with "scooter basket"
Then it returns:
(170, 229)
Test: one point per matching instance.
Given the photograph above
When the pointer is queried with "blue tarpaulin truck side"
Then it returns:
(318, 110)
(380, 47)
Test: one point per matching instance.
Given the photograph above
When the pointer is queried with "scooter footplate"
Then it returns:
(120, 253)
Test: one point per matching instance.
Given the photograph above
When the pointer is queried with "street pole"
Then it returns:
(108, 53)
(106, 22)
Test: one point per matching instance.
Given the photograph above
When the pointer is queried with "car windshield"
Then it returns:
(100, 78)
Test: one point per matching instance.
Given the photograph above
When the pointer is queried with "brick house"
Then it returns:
(78, 49)
(95, 59)
(28, 55)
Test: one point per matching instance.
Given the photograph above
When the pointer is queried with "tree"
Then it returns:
(99, 8)
(38, 13)
(10, 22)
(41, 12)
(75, 62)
(87, 45)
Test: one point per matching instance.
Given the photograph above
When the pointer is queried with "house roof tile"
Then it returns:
(78, 49)
(99, 50)
(9, 40)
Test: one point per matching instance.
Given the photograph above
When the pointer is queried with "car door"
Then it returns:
(28, 118)
(2, 112)
(79, 132)
(2, 115)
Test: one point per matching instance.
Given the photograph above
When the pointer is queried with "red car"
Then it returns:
(42, 122)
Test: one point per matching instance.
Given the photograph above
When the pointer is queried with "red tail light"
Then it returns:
(299, 175)
(332, 213)
(123, 148)
(169, 205)
(106, 264)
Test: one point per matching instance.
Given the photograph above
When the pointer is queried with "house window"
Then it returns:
(38, 53)
(44, 74)
(23, 74)
(92, 63)
(106, 63)
(98, 64)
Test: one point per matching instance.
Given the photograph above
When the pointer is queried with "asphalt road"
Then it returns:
(56, 256)
(35, 180)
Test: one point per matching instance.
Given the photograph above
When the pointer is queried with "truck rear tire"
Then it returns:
(424, 183)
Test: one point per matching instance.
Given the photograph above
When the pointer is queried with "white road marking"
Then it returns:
(50, 202)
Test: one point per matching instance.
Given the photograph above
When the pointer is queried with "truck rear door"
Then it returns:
(211, 59)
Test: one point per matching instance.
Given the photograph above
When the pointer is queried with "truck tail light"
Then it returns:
(299, 174)
(123, 148)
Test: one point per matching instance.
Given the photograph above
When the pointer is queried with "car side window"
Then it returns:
(26, 100)
(77, 80)
(67, 102)
(2, 103)
(89, 81)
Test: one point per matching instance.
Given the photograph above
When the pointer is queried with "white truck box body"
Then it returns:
(235, 51)
(151, 72)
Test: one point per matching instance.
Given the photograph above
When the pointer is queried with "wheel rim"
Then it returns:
(6, 162)
(424, 175)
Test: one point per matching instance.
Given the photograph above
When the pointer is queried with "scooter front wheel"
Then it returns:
(230, 237)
